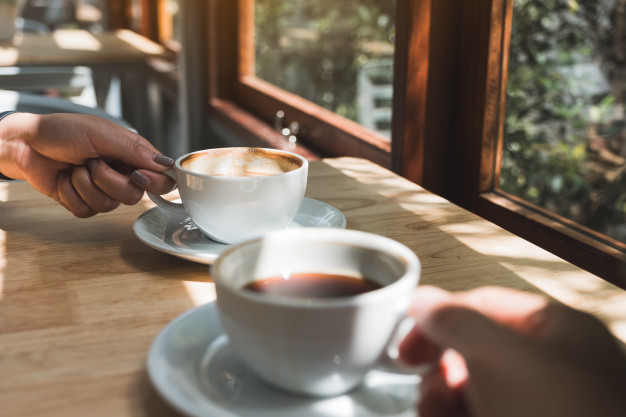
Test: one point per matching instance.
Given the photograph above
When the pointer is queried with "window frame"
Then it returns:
(323, 132)
(449, 90)
(479, 139)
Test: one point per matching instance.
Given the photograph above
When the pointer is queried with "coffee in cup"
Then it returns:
(312, 311)
(240, 193)
(313, 285)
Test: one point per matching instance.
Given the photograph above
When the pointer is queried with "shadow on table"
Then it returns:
(457, 250)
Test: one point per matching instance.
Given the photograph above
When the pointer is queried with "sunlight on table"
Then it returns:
(488, 239)
(8, 56)
(76, 40)
(139, 42)
(200, 292)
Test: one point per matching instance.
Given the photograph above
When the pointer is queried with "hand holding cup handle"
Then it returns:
(390, 359)
(316, 346)
(237, 194)
(178, 208)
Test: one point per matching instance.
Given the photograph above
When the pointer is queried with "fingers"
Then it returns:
(153, 182)
(437, 398)
(117, 142)
(417, 348)
(93, 196)
(478, 338)
(70, 199)
(471, 321)
(139, 153)
(515, 309)
(97, 189)
(73, 139)
(112, 183)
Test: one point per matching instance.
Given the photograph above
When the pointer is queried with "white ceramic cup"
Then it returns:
(240, 193)
(315, 346)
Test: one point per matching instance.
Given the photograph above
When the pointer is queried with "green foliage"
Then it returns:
(563, 132)
(315, 48)
(560, 123)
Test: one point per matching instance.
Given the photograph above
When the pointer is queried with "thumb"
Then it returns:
(475, 336)
(133, 150)
(76, 138)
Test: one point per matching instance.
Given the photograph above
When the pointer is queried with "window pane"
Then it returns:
(565, 132)
(337, 54)
(173, 16)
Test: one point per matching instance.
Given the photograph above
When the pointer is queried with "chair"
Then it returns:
(34, 103)
(52, 13)
(375, 91)
(72, 83)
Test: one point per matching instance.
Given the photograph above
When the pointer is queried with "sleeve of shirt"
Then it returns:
(2, 116)
(5, 114)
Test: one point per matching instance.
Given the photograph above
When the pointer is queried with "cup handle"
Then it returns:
(390, 359)
(165, 204)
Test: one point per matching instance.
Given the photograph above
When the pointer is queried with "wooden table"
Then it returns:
(82, 299)
(79, 47)
(112, 55)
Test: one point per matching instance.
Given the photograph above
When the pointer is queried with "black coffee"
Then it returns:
(313, 285)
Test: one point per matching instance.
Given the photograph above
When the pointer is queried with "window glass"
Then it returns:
(564, 143)
(173, 16)
(337, 54)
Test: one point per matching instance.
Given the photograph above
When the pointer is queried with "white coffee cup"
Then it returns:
(314, 346)
(240, 193)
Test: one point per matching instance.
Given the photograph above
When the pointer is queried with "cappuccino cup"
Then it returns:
(240, 193)
(312, 311)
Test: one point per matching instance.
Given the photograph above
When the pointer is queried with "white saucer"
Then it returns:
(179, 236)
(193, 367)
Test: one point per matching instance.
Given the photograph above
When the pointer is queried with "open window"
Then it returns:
(320, 74)
(541, 132)
(513, 109)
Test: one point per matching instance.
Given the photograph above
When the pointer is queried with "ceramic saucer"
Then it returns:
(177, 235)
(193, 367)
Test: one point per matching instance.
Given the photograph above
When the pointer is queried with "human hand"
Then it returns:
(88, 164)
(508, 354)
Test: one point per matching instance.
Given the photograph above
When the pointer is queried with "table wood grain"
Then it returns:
(79, 47)
(81, 300)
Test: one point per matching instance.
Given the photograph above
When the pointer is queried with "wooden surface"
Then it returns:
(82, 299)
(79, 47)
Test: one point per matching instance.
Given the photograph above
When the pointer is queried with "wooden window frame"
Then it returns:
(234, 88)
(478, 146)
(448, 102)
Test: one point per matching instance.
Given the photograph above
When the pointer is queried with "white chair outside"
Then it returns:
(72, 83)
(35, 103)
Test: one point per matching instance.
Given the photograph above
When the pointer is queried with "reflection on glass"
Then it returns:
(565, 128)
(337, 54)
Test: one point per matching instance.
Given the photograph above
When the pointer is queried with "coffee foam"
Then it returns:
(240, 163)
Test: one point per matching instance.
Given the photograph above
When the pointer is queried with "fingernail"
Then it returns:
(166, 161)
(140, 179)
(92, 164)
